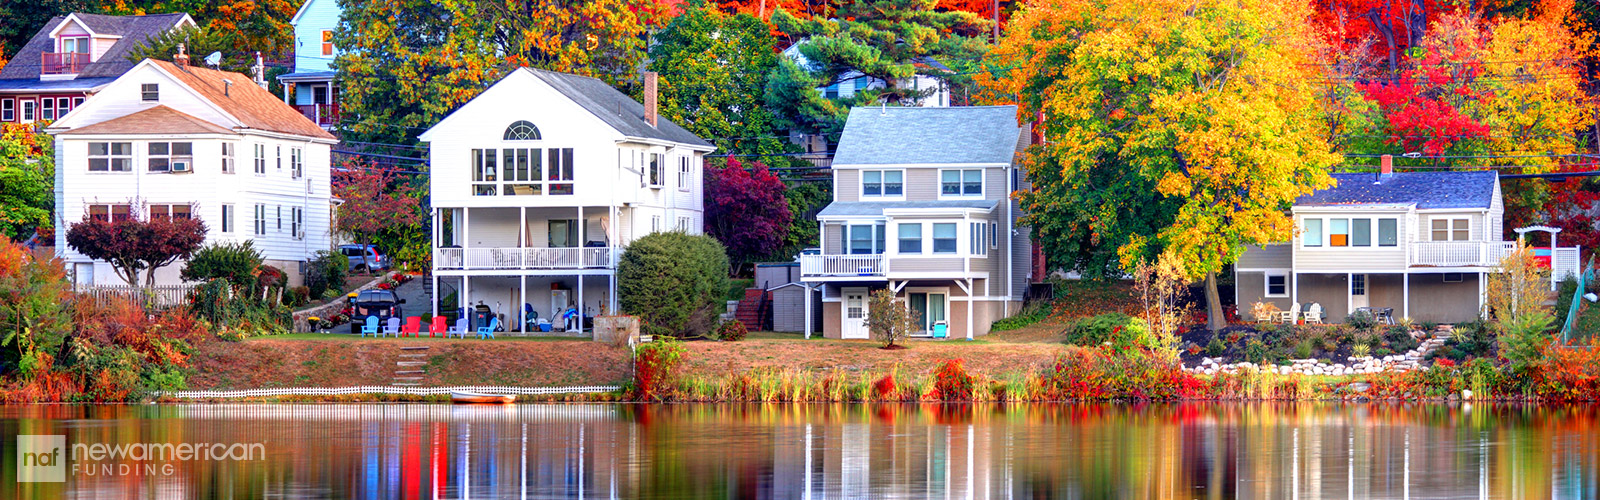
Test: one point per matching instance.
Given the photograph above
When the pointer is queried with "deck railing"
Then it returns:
(63, 63)
(843, 265)
(1459, 253)
(525, 258)
(323, 114)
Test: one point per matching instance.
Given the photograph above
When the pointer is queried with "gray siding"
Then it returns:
(831, 244)
(1268, 257)
(924, 265)
(789, 309)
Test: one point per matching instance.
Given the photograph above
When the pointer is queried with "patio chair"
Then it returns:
(488, 330)
(440, 327)
(413, 326)
(1314, 313)
(1291, 315)
(530, 318)
(371, 326)
(392, 327)
(460, 330)
(941, 330)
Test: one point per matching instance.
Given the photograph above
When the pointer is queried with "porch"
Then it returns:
(528, 303)
(507, 240)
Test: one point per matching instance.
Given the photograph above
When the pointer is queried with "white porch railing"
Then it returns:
(524, 258)
(843, 265)
(1459, 253)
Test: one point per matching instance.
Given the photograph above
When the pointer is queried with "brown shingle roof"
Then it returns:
(251, 104)
(156, 120)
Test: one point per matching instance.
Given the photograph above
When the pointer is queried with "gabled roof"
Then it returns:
(305, 7)
(134, 30)
(936, 135)
(244, 100)
(876, 208)
(615, 108)
(156, 120)
(1428, 190)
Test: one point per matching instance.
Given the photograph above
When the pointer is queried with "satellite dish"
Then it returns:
(214, 59)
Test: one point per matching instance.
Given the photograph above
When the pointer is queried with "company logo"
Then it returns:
(41, 459)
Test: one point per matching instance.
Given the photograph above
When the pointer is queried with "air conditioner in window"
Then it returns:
(300, 235)
(181, 166)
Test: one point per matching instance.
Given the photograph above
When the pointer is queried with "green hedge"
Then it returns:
(673, 282)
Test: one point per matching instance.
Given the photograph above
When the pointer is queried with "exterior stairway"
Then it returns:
(755, 310)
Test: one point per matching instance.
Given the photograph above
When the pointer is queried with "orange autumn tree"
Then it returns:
(1181, 126)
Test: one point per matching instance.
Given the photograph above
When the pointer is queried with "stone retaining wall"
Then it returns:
(324, 310)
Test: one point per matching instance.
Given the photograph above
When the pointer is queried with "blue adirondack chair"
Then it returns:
(941, 331)
(460, 330)
(488, 330)
(392, 327)
(370, 327)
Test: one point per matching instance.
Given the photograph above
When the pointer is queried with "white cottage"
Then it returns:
(541, 181)
(173, 140)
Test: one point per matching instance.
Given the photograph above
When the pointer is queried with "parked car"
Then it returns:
(368, 260)
(381, 303)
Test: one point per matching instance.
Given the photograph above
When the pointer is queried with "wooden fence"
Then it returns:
(159, 297)
(385, 389)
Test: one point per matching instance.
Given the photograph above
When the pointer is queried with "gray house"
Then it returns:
(1418, 243)
(922, 206)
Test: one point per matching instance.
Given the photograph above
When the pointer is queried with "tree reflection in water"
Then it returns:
(1201, 450)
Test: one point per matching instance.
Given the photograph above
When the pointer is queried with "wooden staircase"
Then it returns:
(755, 309)
(409, 371)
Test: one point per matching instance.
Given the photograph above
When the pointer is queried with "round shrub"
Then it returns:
(1122, 331)
(732, 331)
(673, 282)
(234, 262)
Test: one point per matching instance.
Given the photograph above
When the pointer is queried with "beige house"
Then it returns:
(922, 206)
(1420, 244)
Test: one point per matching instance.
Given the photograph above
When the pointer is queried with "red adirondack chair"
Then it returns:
(413, 326)
(440, 327)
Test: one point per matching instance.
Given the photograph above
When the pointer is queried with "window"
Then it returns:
(563, 233)
(1452, 277)
(961, 182)
(260, 219)
(1358, 285)
(327, 42)
(1388, 232)
(977, 239)
(861, 239)
(77, 45)
(1313, 233)
(485, 175)
(169, 211)
(114, 212)
(525, 167)
(280, 218)
(162, 155)
(8, 110)
(110, 157)
(47, 109)
(227, 157)
(910, 238)
(883, 183)
(296, 222)
(227, 218)
(994, 241)
(296, 167)
(1361, 232)
(150, 92)
(1277, 285)
(560, 170)
(29, 107)
(944, 237)
(521, 130)
(279, 157)
(654, 170)
(261, 159)
(77, 101)
(683, 173)
(655, 223)
(683, 224)
(1450, 229)
(1338, 232)
(62, 105)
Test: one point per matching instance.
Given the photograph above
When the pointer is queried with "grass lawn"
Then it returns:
(355, 338)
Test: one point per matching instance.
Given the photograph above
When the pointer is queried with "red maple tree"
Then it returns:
(374, 200)
(746, 209)
(133, 245)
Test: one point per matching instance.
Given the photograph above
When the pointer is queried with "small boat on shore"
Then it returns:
(465, 397)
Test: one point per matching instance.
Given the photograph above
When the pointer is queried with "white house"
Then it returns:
(540, 181)
(922, 206)
(926, 80)
(1417, 245)
(310, 88)
(173, 140)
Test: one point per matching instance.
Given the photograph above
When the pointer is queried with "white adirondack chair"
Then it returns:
(1292, 314)
(1314, 313)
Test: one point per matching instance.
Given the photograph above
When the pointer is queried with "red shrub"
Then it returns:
(884, 388)
(951, 382)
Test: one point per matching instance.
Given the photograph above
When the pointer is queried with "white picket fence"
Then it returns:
(385, 389)
(159, 296)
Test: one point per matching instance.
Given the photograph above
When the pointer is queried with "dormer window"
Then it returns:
(150, 92)
(76, 45)
(522, 130)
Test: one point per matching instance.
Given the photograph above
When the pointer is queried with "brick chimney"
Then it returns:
(181, 58)
(1385, 168)
(651, 79)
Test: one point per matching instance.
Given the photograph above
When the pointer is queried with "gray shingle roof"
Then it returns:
(36, 85)
(1464, 189)
(615, 108)
(133, 29)
(963, 134)
(876, 208)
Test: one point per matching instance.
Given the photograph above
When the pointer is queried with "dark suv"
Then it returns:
(381, 303)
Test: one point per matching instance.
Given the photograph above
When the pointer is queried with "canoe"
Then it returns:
(480, 398)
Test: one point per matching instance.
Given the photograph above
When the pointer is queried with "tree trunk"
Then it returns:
(1215, 321)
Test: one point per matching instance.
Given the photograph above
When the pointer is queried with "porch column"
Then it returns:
(523, 325)
(580, 303)
(466, 233)
(1483, 297)
(1349, 295)
(435, 294)
(807, 287)
(1294, 286)
(969, 312)
(1405, 294)
(465, 301)
(522, 227)
(611, 300)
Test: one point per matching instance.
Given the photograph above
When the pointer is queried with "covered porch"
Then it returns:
(528, 238)
(1442, 297)
(528, 303)
(313, 94)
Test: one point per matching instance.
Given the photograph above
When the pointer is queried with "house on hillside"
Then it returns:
(1415, 245)
(922, 205)
(71, 58)
(173, 140)
(309, 88)
(541, 181)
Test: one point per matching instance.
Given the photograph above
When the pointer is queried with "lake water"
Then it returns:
(383, 451)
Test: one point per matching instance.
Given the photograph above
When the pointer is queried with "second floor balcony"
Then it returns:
(63, 63)
(325, 115)
(515, 259)
(840, 266)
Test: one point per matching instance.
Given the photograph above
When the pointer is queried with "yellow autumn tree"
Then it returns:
(1182, 126)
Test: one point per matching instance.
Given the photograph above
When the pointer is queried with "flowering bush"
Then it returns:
(951, 382)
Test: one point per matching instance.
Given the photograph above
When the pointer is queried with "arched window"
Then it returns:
(522, 130)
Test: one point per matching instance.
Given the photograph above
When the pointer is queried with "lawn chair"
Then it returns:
(441, 326)
(488, 330)
(941, 330)
(371, 326)
(1314, 313)
(1291, 315)
(392, 327)
(530, 318)
(460, 330)
(413, 326)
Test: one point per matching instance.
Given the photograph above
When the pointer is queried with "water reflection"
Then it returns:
(831, 451)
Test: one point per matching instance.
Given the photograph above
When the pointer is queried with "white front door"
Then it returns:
(855, 314)
(1358, 291)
